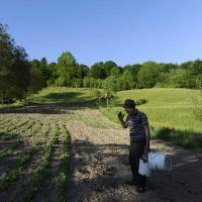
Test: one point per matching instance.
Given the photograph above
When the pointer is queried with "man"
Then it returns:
(139, 140)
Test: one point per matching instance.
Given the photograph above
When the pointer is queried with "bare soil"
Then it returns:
(99, 161)
(100, 168)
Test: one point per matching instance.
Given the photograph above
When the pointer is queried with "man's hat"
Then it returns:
(129, 103)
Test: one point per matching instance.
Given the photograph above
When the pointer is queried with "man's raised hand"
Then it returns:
(120, 116)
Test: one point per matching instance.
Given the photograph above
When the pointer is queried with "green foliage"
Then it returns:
(19, 77)
(52, 68)
(108, 66)
(66, 59)
(178, 78)
(89, 82)
(101, 70)
(148, 74)
(109, 88)
(107, 93)
(98, 71)
(115, 71)
(194, 74)
(133, 69)
(82, 71)
(66, 69)
(14, 69)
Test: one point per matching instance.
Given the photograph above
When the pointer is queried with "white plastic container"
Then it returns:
(144, 168)
(159, 162)
(154, 161)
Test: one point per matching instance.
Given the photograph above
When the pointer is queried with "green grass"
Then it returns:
(172, 108)
(59, 96)
(170, 111)
(63, 96)
(64, 172)
(13, 174)
(167, 108)
(42, 171)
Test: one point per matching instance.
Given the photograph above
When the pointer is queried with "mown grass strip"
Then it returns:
(64, 167)
(9, 150)
(5, 136)
(186, 139)
(27, 127)
(13, 174)
(8, 122)
(41, 172)
(14, 127)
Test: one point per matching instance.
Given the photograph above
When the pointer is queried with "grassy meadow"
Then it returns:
(34, 139)
(170, 112)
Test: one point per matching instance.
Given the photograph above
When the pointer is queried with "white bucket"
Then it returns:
(159, 162)
(144, 168)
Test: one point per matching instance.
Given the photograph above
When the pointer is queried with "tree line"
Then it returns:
(20, 76)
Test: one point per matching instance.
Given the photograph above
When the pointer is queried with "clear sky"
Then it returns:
(125, 31)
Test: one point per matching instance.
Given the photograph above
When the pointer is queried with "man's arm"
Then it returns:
(120, 117)
(123, 123)
(147, 136)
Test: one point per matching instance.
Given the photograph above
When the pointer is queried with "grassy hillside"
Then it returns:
(64, 96)
(170, 112)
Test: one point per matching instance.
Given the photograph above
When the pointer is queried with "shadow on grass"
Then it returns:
(15, 156)
(54, 103)
(187, 139)
(115, 102)
(102, 180)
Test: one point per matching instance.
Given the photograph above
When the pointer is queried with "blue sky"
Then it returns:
(125, 31)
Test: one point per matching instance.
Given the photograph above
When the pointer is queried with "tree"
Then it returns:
(52, 68)
(109, 89)
(148, 74)
(186, 65)
(107, 66)
(14, 69)
(82, 71)
(66, 69)
(125, 81)
(115, 71)
(178, 78)
(35, 79)
(133, 69)
(43, 71)
(98, 71)
(194, 72)
(66, 59)
(164, 72)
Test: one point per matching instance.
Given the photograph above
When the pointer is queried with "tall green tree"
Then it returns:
(107, 66)
(66, 69)
(109, 89)
(133, 69)
(115, 71)
(98, 71)
(125, 81)
(14, 69)
(148, 74)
